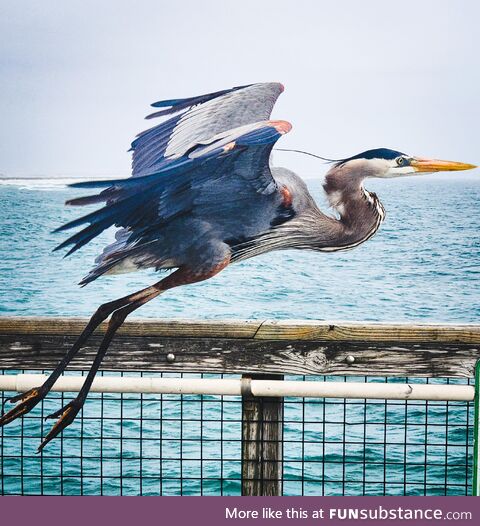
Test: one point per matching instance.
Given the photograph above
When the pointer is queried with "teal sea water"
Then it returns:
(423, 265)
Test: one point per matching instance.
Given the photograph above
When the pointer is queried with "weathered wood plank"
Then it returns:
(243, 356)
(266, 330)
(262, 446)
(367, 332)
(158, 328)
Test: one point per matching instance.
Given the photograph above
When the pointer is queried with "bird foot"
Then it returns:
(28, 401)
(67, 415)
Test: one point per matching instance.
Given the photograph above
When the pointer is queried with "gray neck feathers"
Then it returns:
(360, 211)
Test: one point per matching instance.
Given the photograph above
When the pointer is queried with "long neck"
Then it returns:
(361, 214)
(360, 211)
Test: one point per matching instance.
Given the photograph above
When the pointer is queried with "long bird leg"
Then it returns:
(182, 276)
(32, 397)
(68, 413)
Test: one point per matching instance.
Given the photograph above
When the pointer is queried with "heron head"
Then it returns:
(386, 163)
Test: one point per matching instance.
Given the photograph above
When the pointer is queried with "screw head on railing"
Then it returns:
(170, 357)
(350, 359)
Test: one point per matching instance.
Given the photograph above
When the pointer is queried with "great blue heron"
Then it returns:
(202, 196)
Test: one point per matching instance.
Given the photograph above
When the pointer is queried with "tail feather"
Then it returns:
(108, 262)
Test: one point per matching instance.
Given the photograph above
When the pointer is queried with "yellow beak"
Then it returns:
(434, 165)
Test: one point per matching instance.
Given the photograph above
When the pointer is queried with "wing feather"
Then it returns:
(222, 136)
(246, 149)
(201, 118)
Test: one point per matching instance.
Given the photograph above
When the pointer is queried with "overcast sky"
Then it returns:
(76, 77)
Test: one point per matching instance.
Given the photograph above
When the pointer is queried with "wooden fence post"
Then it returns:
(262, 445)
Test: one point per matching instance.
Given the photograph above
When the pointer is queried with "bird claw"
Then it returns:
(28, 401)
(67, 415)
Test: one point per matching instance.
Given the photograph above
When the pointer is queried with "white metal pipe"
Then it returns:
(207, 386)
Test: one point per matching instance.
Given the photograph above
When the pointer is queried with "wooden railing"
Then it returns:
(248, 347)
(258, 349)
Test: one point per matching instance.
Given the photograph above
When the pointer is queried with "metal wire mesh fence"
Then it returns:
(145, 444)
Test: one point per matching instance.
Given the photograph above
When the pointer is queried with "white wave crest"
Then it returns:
(44, 183)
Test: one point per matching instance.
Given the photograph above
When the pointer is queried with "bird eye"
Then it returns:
(400, 161)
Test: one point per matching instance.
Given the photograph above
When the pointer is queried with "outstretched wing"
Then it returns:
(201, 118)
(200, 152)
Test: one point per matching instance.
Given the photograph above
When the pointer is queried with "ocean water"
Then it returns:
(423, 265)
